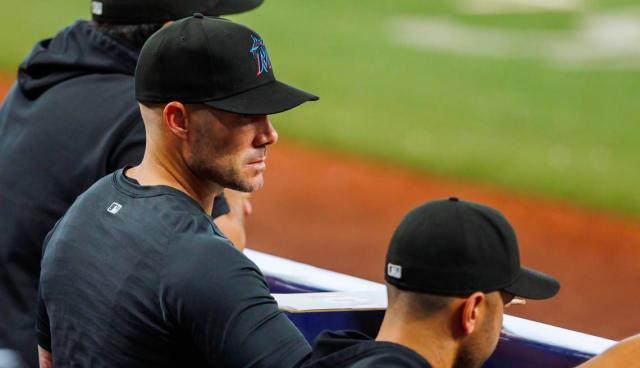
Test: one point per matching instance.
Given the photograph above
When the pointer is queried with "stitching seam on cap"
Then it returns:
(463, 229)
(158, 98)
(210, 53)
(440, 291)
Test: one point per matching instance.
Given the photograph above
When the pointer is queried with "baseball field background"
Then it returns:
(529, 105)
(535, 101)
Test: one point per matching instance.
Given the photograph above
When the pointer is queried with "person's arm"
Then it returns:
(232, 223)
(44, 357)
(219, 299)
(626, 354)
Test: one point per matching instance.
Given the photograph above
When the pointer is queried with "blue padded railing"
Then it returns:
(523, 343)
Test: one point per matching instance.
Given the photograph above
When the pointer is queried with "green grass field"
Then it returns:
(521, 122)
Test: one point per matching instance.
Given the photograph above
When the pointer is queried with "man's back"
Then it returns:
(70, 120)
(176, 294)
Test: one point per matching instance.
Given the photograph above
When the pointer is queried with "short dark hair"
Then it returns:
(132, 35)
(419, 304)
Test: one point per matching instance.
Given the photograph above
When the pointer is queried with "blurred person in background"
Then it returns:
(70, 119)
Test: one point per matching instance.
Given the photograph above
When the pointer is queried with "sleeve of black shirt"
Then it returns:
(215, 295)
(43, 330)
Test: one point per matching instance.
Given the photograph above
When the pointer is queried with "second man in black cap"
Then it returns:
(451, 269)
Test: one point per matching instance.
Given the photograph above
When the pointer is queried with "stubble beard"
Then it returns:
(225, 175)
(471, 355)
(466, 359)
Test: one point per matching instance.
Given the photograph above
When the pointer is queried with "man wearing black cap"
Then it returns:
(451, 269)
(70, 119)
(136, 274)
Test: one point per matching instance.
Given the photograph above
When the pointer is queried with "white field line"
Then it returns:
(519, 6)
(606, 41)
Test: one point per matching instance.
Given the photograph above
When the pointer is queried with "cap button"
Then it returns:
(454, 199)
(198, 15)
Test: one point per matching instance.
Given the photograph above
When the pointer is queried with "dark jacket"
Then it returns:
(352, 349)
(70, 119)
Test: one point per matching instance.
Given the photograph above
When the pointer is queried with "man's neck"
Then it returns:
(153, 171)
(427, 338)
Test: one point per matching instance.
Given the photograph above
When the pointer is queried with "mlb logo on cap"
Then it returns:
(96, 7)
(394, 271)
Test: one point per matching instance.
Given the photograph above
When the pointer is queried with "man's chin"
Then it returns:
(248, 186)
(257, 185)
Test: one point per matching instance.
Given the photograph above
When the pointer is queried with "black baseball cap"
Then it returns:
(215, 62)
(157, 11)
(454, 247)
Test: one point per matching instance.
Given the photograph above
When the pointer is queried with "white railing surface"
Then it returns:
(557, 336)
(304, 274)
(352, 293)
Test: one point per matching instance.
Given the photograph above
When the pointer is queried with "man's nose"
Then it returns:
(266, 134)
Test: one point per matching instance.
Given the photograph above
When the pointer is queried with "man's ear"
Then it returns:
(472, 310)
(176, 118)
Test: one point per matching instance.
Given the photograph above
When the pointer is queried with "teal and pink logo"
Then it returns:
(259, 52)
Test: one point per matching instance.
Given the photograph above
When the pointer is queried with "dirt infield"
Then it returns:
(338, 212)
(5, 83)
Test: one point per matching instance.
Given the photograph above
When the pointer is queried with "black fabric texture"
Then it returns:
(234, 6)
(270, 98)
(352, 349)
(454, 247)
(139, 276)
(532, 284)
(152, 11)
(213, 60)
(70, 119)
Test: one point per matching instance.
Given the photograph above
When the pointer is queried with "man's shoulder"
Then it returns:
(198, 250)
(389, 358)
(103, 187)
(388, 355)
(208, 270)
(355, 350)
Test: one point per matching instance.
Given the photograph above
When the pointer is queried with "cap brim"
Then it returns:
(531, 284)
(270, 98)
(226, 7)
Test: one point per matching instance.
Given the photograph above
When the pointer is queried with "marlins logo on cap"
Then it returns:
(215, 62)
(260, 55)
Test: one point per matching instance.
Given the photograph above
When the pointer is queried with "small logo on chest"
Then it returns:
(114, 208)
